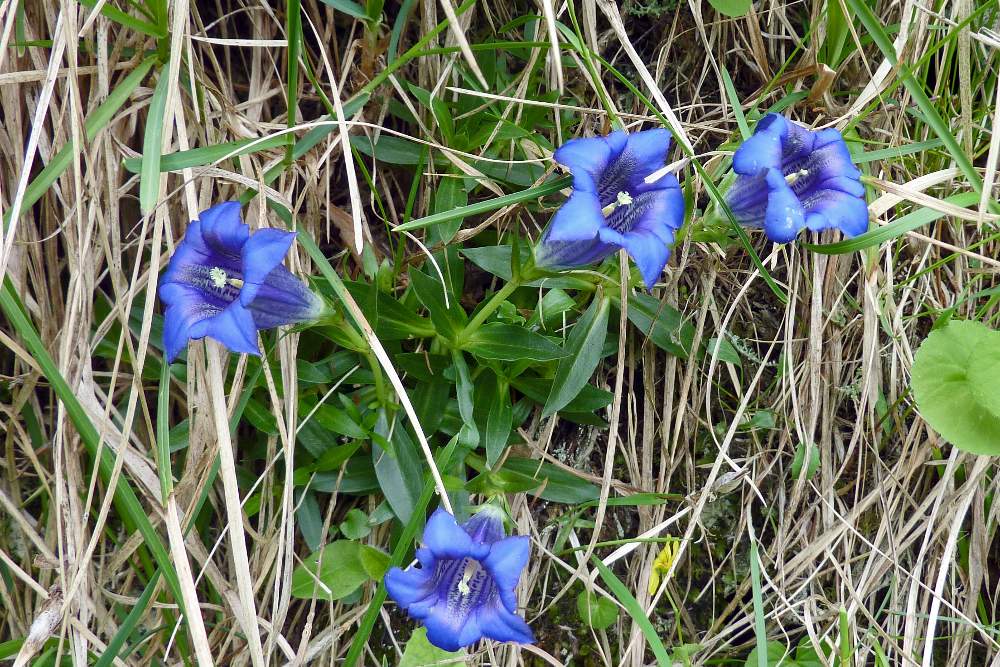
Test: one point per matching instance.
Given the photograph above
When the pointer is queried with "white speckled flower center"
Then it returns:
(218, 276)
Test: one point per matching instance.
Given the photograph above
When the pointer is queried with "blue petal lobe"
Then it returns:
(262, 252)
(445, 538)
(648, 149)
(578, 219)
(784, 216)
(486, 525)
(649, 252)
(763, 150)
(185, 309)
(505, 562)
(843, 184)
(407, 587)
(586, 159)
(503, 626)
(449, 632)
(838, 210)
(223, 228)
(831, 151)
(569, 254)
(233, 327)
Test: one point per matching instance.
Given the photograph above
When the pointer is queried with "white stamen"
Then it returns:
(621, 199)
(470, 570)
(796, 175)
(671, 168)
(218, 276)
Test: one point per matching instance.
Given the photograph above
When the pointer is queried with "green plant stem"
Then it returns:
(483, 313)
(380, 392)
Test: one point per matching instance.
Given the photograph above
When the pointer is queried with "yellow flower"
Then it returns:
(662, 563)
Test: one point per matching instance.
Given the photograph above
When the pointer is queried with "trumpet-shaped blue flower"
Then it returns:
(613, 205)
(226, 283)
(463, 589)
(789, 177)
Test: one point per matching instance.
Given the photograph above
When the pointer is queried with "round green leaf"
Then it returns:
(337, 570)
(956, 385)
(599, 612)
(734, 8)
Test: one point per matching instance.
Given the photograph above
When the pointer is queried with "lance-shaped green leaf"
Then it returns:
(583, 348)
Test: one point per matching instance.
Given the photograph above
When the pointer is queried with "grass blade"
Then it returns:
(636, 611)
(100, 117)
(152, 147)
(125, 498)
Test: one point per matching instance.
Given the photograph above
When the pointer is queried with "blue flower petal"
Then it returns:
(578, 219)
(504, 626)
(486, 525)
(837, 210)
(784, 216)
(223, 228)
(185, 308)
(831, 155)
(649, 252)
(564, 255)
(451, 632)
(648, 226)
(843, 184)
(233, 327)
(587, 158)
(410, 586)
(445, 537)
(505, 562)
(763, 150)
(262, 252)
(648, 150)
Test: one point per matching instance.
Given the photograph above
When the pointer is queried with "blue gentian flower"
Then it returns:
(463, 589)
(789, 177)
(613, 206)
(226, 283)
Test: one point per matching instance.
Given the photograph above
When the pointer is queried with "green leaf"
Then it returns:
(355, 525)
(800, 457)
(596, 611)
(496, 260)
(336, 420)
(558, 486)
(390, 149)
(391, 319)
(954, 388)
(486, 206)
(733, 8)
(776, 655)
(448, 318)
(118, 16)
(589, 399)
(205, 155)
(499, 418)
(895, 229)
(506, 342)
(398, 472)
(464, 390)
(349, 8)
(661, 323)
(152, 146)
(583, 347)
(421, 653)
(337, 570)
(726, 351)
(451, 195)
